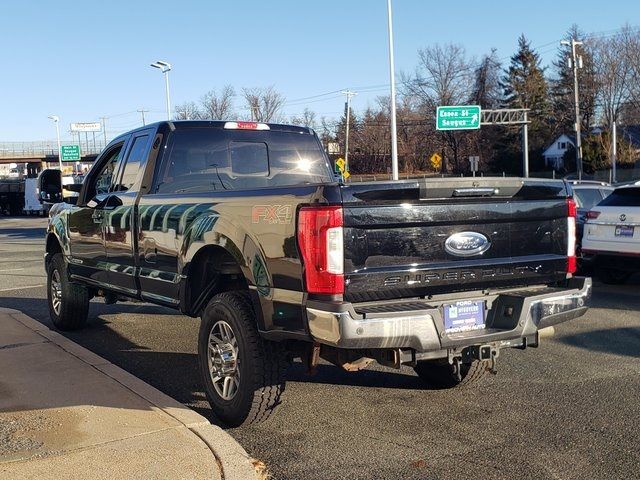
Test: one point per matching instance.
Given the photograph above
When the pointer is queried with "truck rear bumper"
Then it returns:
(511, 317)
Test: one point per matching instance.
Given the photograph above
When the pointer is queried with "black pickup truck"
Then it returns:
(244, 225)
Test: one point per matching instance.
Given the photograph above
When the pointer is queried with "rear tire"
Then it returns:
(68, 302)
(243, 374)
(440, 373)
(613, 276)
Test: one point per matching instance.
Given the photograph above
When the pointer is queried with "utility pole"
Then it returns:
(349, 94)
(56, 120)
(614, 151)
(525, 146)
(142, 112)
(104, 129)
(165, 68)
(392, 76)
(575, 63)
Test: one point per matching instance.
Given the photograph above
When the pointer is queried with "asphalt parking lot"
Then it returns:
(567, 410)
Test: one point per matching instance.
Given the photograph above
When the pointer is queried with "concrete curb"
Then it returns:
(234, 461)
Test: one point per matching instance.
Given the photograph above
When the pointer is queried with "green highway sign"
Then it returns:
(70, 153)
(460, 117)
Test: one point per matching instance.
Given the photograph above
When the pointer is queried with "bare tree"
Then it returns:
(443, 76)
(187, 111)
(631, 113)
(614, 74)
(308, 119)
(265, 104)
(218, 106)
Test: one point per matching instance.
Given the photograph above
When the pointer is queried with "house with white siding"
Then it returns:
(554, 154)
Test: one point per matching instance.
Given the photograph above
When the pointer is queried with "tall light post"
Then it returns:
(165, 67)
(56, 120)
(576, 62)
(349, 94)
(392, 77)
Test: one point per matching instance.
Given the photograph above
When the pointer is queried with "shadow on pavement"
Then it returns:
(173, 373)
(619, 341)
(22, 233)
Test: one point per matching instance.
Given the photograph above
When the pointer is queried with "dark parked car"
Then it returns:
(244, 225)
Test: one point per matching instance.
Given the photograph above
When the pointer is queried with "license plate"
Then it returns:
(624, 231)
(464, 316)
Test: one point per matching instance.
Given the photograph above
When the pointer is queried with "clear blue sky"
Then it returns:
(84, 60)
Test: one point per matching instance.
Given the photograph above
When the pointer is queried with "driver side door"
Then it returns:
(86, 220)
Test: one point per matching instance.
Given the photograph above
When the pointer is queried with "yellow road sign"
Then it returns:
(340, 163)
(346, 175)
(436, 161)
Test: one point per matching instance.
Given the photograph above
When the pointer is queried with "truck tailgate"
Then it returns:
(420, 238)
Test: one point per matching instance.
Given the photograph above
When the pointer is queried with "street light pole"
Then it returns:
(392, 76)
(165, 68)
(576, 62)
(56, 120)
(349, 94)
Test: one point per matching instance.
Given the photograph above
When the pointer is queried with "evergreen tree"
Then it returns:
(486, 87)
(525, 86)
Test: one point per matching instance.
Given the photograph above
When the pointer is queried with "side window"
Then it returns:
(132, 165)
(102, 181)
(197, 160)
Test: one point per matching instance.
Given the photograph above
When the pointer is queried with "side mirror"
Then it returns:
(49, 186)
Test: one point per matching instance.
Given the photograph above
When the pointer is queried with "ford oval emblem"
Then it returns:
(467, 244)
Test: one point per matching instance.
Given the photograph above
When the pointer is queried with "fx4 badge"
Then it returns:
(280, 214)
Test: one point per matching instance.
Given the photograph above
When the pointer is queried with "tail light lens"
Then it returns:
(592, 214)
(320, 239)
(572, 213)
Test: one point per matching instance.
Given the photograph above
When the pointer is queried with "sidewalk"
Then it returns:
(66, 413)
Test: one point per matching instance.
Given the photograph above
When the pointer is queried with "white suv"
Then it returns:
(611, 239)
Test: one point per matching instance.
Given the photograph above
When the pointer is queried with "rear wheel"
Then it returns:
(243, 375)
(68, 302)
(613, 276)
(440, 373)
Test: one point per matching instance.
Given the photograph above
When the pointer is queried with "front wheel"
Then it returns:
(441, 374)
(243, 375)
(68, 302)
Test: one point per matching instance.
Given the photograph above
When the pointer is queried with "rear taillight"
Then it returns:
(572, 213)
(320, 239)
(592, 214)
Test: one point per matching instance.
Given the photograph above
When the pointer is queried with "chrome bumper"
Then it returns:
(511, 316)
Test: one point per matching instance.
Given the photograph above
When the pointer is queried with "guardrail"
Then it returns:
(45, 149)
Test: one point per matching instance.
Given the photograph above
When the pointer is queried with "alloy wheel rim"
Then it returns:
(56, 292)
(224, 368)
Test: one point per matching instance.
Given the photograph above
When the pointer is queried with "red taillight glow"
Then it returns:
(320, 239)
(592, 214)
(572, 213)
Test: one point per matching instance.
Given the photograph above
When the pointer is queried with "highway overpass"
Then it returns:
(27, 152)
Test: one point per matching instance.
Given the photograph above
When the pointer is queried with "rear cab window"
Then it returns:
(207, 159)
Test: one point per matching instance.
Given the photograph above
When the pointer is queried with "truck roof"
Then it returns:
(179, 124)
